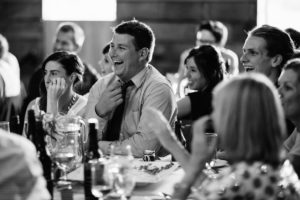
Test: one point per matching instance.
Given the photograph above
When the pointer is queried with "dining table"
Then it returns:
(160, 189)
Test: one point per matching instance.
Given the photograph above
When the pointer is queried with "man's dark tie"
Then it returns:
(112, 132)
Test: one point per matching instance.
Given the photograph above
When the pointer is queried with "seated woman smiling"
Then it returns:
(249, 120)
(204, 69)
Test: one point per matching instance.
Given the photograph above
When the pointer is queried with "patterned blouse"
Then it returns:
(251, 181)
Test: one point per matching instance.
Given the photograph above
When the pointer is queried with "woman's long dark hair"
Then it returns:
(210, 63)
(70, 62)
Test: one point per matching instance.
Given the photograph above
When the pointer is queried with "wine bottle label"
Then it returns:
(67, 193)
(88, 182)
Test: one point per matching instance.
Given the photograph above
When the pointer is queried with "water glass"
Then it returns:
(120, 166)
(102, 178)
(211, 139)
(124, 184)
(66, 153)
(5, 126)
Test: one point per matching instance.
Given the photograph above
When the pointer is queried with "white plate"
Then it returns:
(143, 171)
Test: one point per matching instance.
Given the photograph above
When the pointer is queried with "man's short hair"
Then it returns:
(76, 29)
(295, 36)
(142, 33)
(278, 42)
(105, 50)
(217, 28)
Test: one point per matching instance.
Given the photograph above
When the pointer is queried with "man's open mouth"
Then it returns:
(116, 63)
(249, 69)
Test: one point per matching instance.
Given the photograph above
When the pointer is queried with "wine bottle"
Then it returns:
(15, 124)
(44, 155)
(31, 125)
(37, 134)
(92, 154)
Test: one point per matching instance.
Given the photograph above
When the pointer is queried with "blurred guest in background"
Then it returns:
(2, 89)
(249, 120)
(69, 37)
(213, 33)
(10, 74)
(105, 63)
(289, 89)
(119, 99)
(295, 36)
(90, 77)
(266, 50)
(21, 174)
(63, 70)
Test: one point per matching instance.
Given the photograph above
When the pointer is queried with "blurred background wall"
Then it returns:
(173, 22)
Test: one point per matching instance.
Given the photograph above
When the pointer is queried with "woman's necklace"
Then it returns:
(72, 102)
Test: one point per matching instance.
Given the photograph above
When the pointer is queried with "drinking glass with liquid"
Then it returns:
(66, 153)
(102, 178)
(120, 166)
(211, 139)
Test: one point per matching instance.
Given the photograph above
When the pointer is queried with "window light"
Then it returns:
(79, 10)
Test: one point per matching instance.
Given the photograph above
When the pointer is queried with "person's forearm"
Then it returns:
(183, 188)
(179, 153)
(194, 168)
(52, 107)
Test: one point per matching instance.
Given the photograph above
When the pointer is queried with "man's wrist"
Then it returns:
(97, 111)
(103, 116)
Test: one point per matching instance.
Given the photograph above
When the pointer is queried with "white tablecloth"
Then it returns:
(151, 191)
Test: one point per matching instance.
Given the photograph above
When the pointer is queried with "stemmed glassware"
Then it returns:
(124, 185)
(64, 141)
(66, 153)
(211, 139)
(111, 177)
(120, 166)
(102, 178)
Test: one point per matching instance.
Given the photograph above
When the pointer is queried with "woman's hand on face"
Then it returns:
(56, 88)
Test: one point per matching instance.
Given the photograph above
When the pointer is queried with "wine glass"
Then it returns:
(124, 184)
(211, 139)
(102, 178)
(65, 153)
(120, 166)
